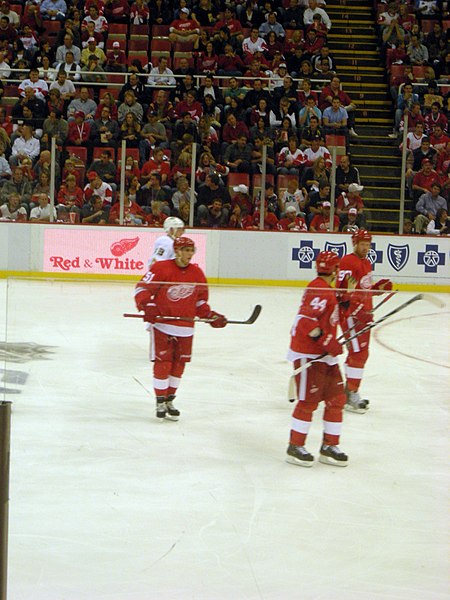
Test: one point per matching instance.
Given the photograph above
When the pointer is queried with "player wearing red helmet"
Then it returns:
(356, 312)
(178, 289)
(313, 333)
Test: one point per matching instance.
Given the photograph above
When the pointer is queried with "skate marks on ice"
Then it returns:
(21, 352)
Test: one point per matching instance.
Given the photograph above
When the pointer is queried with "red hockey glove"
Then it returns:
(218, 319)
(151, 311)
(330, 345)
(384, 285)
(361, 315)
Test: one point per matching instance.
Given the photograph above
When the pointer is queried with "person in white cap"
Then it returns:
(116, 60)
(291, 222)
(351, 221)
(350, 199)
(321, 222)
(92, 49)
(184, 29)
(241, 197)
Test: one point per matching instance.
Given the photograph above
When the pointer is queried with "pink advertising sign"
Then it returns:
(111, 251)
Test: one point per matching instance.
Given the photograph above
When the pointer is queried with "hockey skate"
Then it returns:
(333, 455)
(355, 403)
(172, 413)
(299, 455)
(161, 409)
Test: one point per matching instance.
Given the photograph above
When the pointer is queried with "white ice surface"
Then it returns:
(107, 503)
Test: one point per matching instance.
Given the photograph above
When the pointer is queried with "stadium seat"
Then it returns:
(160, 31)
(140, 30)
(134, 152)
(138, 45)
(160, 44)
(98, 151)
(142, 57)
(237, 179)
(183, 47)
(118, 28)
(79, 151)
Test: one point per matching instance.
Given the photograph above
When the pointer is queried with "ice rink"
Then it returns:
(107, 503)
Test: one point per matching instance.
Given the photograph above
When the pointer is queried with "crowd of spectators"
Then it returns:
(232, 78)
(415, 43)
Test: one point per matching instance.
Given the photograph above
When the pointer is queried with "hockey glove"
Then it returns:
(361, 315)
(151, 312)
(330, 345)
(218, 319)
(384, 285)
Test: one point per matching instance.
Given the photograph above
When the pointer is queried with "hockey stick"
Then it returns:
(427, 297)
(342, 336)
(252, 318)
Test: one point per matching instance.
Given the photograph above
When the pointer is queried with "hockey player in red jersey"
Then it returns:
(314, 333)
(173, 288)
(356, 312)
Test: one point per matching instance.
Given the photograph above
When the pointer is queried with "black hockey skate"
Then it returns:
(172, 413)
(299, 455)
(333, 455)
(161, 409)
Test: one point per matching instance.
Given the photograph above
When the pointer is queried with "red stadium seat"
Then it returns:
(161, 44)
(139, 30)
(79, 151)
(334, 140)
(160, 31)
(139, 45)
(234, 179)
(120, 28)
(98, 151)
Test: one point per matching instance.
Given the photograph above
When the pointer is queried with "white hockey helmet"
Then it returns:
(171, 224)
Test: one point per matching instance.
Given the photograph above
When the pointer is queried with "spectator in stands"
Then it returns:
(214, 215)
(17, 185)
(308, 111)
(257, 153)
(132, 215)
(151, 191)
(417, 52)
(105, 131)
(39, 86)
(54, 126)
(130, 105)
(208, 60)
(99, 187)
(92, 50)
(158, 163)
(69, 195)
(440, 225)
(68, 46)
(117, 11)
(11, 209)
(229, 63)
(130, 130)
(335, 119)
(351, 223)
(139, 13)
(414, 138)
(43, 213)
(287, 90)
(90, 32)
(290, 158)
(82, 104)
(293, 197)
(315, 151)
(270, 221)
(186, 126)
(53, 10)
(439, 140)
(65, 86)
(93, 73)
(313, 9)
(189, 105)
(93, 211)
(272, 25)
(234, 90)
(100, 22)
(231, 24)
(312, 177)
(105, 168)
(292, 222)
(415, 158)
(153, 134)
(435, 117)
(161, 75)
(321, 223)
(116, 60)
(313, 44)
(405, 100)
(79, 130)
(423, 180)
(311, 132)
(238, 156)
(184, 29)
(25, 146)
(326, 97)
(135, 85)
(71, 68)
(350, 199)
(345, 175)
(212, 188)
(427, 206)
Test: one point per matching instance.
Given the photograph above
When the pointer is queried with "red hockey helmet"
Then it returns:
(183, 242)
(362, 235)
(326, 262)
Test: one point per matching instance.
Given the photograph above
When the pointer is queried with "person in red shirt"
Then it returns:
(173, 288)
(423, 179)
(184, 29)
(156, 164)
(313, 334)
(350, 199)
(233, 25)
(321, 222)
(132, 213)
(79, 130)
(439, 139)
(270, 221)
(291, 222)
(190, 105)
(233, 129)
(434, 118)
(355, 312)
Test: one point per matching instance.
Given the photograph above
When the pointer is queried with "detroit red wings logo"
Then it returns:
(123, 246)
(180, 292)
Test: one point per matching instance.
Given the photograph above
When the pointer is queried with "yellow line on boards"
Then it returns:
(401, 287)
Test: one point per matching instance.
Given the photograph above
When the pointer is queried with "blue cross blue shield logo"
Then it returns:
(339, 249)
(398, 256)
(305, 254)
(374, 256)
(431, 258)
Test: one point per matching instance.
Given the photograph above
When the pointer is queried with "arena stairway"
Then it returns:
(354, 45)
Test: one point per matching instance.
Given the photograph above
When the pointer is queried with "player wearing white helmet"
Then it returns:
(163, 248)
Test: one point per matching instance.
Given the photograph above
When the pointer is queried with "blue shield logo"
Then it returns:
(339, 249)
(398, 256)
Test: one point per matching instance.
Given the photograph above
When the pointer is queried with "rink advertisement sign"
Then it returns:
(400, 257)
(105, 251)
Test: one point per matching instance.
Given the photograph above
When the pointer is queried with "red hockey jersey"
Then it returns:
(178, 292)
(361, 269)
(320, 309)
